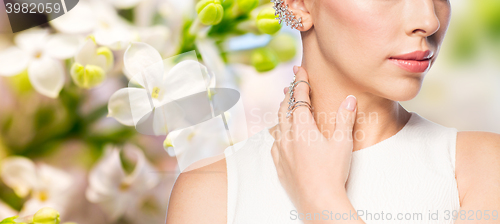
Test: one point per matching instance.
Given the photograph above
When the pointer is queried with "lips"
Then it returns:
(415, 62)
(416, 55)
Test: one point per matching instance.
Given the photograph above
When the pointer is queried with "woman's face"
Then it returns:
(359, 36)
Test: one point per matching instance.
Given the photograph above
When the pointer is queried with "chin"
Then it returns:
(405, 91)
(408, 94)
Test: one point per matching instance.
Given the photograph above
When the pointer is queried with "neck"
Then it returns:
(377, 118)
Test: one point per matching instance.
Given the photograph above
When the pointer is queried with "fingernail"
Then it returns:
(285, 90)
(350, 102)
(295, 69)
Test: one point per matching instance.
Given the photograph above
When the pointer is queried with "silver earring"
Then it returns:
(285, 15)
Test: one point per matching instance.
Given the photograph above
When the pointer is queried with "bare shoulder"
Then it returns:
(478, 169)
(200, 196)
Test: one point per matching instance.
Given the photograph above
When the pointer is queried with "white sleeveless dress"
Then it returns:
(407, 178)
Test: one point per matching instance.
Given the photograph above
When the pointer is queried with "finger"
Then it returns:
(275, 154)
(276, 133)
(302, 116)
(344, 122)
(284, 123)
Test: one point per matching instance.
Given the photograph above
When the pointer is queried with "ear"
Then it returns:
(298, 8)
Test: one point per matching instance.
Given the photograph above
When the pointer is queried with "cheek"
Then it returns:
(444, 14)
(360, 31)
(370, 25)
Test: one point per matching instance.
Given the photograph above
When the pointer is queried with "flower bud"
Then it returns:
(87, 77)
(487, 13)
(285, 47)
(210, 12)
(267, 22)
(10, 220)
(227, 3)
(246, 6)
(46, 216)
(264, 59)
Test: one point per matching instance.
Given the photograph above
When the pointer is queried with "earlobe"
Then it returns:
(292, 15)
(306, 22)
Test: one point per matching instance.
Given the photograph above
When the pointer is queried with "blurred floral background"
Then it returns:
(66, 141)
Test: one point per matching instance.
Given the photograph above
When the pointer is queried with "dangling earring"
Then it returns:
(286, 15)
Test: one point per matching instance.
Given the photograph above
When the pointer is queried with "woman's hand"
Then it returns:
(313, 169)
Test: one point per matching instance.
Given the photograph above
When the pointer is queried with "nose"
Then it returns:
(423, 20)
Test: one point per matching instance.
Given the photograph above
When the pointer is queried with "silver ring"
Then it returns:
(300, 101)
(289, 113)
(292, 88)
(296, 83)
(292, 104)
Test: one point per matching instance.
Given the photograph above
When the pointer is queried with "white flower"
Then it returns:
(124, 4)
(91, 64)
(152, 206)
(174, 13)
(99, 18)
(6, 211)
(111, 30)
(154, 83)
(212, 59)
(201, 141)
(40, 53)
(116, 191)
(79, 20)
(49, 187)
(157, 36)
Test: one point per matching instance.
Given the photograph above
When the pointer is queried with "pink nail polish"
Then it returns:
(295, 69)
(350, 102)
